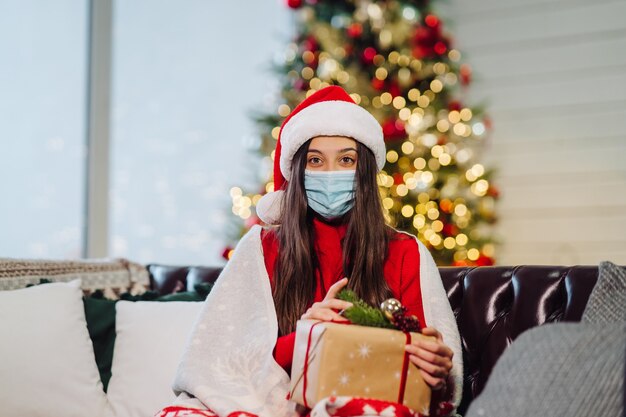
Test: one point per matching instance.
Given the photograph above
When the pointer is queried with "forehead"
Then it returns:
(332, 143)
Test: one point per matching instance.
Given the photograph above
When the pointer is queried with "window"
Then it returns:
(43, 67)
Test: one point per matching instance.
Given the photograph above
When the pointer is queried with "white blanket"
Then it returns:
(228, 365)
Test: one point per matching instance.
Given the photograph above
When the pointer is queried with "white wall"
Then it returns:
(554, 76)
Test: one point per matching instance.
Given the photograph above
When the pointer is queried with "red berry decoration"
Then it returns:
(395, 312)
(406, 323)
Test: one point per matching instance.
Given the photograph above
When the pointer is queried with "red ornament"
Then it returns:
(368, 55)
(484, 261)
(393, 129)
(300, 84)
(397, 178)
(394, 89)
(447, 206)
(429, 41)
(226, 253)
(310, 44)
(378, 84)
(493, 191)
(450, 230)
(440, 48)
(432, 21)
(466, 74)
(488, 122)
(294, 4)
(355, 30)
(455, 105)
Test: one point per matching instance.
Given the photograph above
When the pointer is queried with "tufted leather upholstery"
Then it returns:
(167, 279)
(492, 305)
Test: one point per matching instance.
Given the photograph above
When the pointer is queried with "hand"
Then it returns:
(432, 357)
(326, 310)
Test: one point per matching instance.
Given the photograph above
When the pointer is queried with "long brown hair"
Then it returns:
(365, 244)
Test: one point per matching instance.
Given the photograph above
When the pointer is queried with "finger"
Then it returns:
(442, 361)
(324, 314)
(432, 369)
(335, 304)
(306, 315)
(435, 383)
(437, 347)
(431, 331)
(335, 288)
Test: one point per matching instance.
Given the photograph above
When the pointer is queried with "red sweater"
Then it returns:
(401, 270)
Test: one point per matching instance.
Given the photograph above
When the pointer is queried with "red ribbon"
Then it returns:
(405, 370)
(305, 369)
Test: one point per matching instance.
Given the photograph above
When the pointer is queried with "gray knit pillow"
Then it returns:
(607, 302)
(558, 370)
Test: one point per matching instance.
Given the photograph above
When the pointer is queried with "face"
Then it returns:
(331, 153)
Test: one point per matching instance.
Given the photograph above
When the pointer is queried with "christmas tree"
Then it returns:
(396, 60)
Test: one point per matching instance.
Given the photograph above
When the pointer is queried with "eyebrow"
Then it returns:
(340, 150)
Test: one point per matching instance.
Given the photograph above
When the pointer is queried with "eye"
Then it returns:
(347, 160)
(314, 160)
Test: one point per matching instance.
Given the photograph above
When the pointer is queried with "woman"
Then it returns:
(329, 226)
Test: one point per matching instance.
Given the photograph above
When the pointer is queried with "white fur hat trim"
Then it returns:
(331, 118)
(269, 207)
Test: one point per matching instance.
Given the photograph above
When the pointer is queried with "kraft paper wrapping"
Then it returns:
(355, 361)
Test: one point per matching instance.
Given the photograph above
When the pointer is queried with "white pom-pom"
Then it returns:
(270, 207)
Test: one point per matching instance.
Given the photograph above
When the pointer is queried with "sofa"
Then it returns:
(493, 306)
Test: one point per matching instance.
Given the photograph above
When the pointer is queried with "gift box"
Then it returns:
(336, 359)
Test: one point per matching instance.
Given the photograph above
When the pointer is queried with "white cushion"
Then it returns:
(47, 364)
(150, 338)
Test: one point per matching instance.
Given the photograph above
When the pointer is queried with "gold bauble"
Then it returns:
(389, 307)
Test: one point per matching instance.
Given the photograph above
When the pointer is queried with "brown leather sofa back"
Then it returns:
(492, 305)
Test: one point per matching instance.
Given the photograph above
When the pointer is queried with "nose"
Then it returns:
(332, 166)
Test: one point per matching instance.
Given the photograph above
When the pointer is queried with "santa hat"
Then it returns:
(327, 112)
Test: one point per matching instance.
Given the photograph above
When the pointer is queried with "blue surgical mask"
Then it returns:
(330, 193)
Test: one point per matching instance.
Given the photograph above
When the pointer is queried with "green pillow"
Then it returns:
(100, 316)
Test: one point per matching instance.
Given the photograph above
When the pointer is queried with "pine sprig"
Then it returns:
(362, 313)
